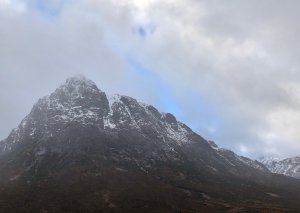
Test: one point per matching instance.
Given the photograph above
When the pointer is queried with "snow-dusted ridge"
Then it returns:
(138, 115)
(233, 159)
(289, 166)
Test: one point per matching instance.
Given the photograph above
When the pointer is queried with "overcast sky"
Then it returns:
(228, 69)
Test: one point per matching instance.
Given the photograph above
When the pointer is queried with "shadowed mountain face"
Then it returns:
(80, 150)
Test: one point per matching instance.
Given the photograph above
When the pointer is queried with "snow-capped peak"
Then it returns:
(288, 166)
(269, 160)
(79, 80)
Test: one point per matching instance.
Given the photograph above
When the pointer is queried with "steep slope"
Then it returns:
(233, 158)
(289, 166)
(79, 150)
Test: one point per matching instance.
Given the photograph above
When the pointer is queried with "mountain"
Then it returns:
(233, 158)
(80, 150)
(288, 166)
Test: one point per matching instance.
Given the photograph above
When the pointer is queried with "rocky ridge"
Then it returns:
(289, 166)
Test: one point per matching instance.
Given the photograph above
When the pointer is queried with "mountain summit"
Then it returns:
(80, 150)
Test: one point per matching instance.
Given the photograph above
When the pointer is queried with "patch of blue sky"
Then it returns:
(164, 93)
(49, 8)
(192, 108)
(201, 114)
